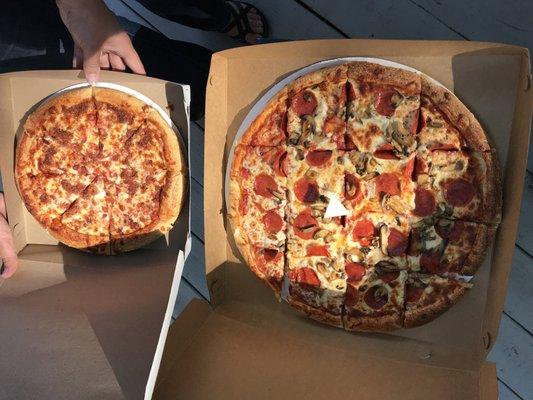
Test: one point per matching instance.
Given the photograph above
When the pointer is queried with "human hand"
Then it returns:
(8, 256)
(99, 41)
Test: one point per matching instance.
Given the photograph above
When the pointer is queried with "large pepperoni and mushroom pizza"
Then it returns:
(417, 178)
(100, 170)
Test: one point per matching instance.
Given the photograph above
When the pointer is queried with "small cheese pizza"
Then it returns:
(100, 170)
(418, 180)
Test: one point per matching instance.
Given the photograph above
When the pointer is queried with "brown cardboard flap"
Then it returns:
(219, 357)
(490, 78)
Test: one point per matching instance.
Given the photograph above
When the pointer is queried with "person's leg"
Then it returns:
(236, 19)
(32, 36)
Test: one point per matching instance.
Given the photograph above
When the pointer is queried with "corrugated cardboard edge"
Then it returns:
(504, 243)
(216, 230)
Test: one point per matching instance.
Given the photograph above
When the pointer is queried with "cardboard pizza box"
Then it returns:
(246, 344)
(74, 324)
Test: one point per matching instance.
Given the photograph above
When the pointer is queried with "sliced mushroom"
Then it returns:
(359, 161)
(393, 203)
(385, 266)
(434, 124)
(300, 155)
(320, 234)
(311, 174)
(322, 268)
(294, 138)
(329, 238)
(350, 189)
(307, 228)
(401, 138)
(308, 126)
(323, 199)
(276, 193)
(319, 206)
(396, 99)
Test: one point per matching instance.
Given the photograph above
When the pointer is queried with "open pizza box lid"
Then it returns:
(246, 344)
(74, 324)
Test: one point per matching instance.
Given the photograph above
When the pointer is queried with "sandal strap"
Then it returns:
(239, 11)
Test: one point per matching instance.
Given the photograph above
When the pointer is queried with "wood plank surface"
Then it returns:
(513, 356)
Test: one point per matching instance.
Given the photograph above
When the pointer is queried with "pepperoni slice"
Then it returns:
(430, 261)
(304, 103)
(420, 168)
(273, 222)
(317, 250)
(351, 298)
(363, 232)
(413, 293)
(376, 297)
(390, 276)
(264, 185)
(318, 158)
(305, 275)
(388, 183)
(270, 254)
(305, 225)
(385, 152)
(355, 271)
(458, 192)
(408, 172)
(425, 202)
(397, 243)
(352, 187)
(383, 102)
(306, 190)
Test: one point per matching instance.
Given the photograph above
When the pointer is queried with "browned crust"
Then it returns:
(66, 99)
(174, 157)
(75, 239)
(381, 323)
(408, 81)
(117, 97)
(277, 103)
(133, 241)
(457, 113)
(422, 315)
(492, 203)
(477, 254)
(235, 194)
(329, 75)
(172, 198)
(317, 314)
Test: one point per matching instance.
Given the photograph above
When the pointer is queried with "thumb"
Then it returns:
(91, 67)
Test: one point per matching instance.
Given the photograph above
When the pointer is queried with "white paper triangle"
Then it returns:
(335, 208)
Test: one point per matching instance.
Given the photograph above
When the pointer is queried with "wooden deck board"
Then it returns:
(513, 356)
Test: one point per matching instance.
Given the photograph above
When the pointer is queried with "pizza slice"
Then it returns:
(257, 209)
(445, 122)
(458, 184)
(316, 117)
(67, 121)
(269, 127)
(119, 116)
(428, 296)
(314, 177)
(48, 196)
(374, 299)
(439, 246)
(385, 182)
(377, 239)
(316, 286)
(86, 222)
(383, 106)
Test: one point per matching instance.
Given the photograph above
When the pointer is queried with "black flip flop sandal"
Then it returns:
(239, 13)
